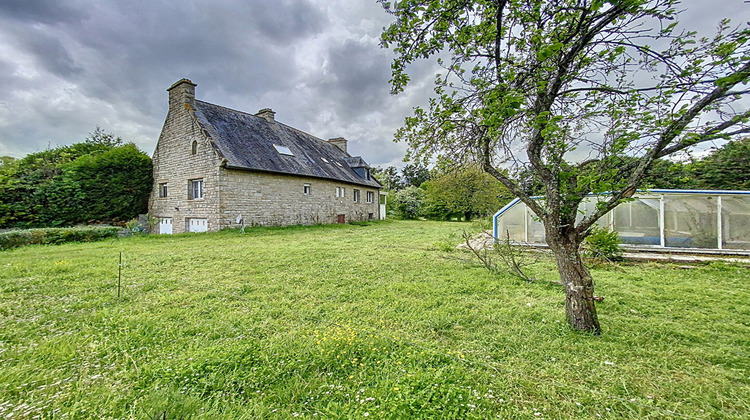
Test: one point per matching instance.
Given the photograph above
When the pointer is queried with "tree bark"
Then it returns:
(579, 289)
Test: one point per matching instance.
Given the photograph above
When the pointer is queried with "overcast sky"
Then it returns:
(67, 66)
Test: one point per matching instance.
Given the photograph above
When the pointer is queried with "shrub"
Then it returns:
(100, 180)
(409, 202)
(54, 236)
(603, 244)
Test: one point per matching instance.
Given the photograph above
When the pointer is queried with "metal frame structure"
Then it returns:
(658, 218)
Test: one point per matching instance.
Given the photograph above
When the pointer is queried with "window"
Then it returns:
(194, 148)
(306, 189)
(162, 190)
(283, 150)
(370, 196)
(196, 189)
(356, 196)
(340, 192)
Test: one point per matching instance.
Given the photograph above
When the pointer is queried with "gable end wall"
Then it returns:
(176, 165)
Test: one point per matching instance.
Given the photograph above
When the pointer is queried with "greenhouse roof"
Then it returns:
(660, 218)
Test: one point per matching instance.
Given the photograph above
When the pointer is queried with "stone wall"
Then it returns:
(176, 165)
(268, 199)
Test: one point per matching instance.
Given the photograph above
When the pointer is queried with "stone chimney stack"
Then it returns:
(180, 93)
(339, 142)
(267, 114)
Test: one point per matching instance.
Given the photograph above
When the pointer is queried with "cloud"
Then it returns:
(42, 11)
(67, 66)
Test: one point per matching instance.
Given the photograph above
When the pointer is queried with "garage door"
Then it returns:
(165, 226)
(198, 225)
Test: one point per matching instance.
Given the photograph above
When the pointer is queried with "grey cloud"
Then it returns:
(51, 54)
(360, 76)
(109, 63)
(287, 20)
(42, 11)
(123, 55)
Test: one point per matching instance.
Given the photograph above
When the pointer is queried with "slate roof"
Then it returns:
(247, 142)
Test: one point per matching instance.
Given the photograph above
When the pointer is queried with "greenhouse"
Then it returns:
(654, 218)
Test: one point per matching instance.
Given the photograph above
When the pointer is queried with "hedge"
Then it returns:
(54, 236)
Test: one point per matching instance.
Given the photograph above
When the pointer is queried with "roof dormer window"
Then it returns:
(324, 160)
(283, 150)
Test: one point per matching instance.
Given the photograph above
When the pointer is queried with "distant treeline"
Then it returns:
(468, 192)
(727, 168)
(98, 180)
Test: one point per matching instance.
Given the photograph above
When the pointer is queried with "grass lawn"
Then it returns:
(357, 321)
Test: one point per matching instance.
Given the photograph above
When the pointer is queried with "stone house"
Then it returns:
(215, 167)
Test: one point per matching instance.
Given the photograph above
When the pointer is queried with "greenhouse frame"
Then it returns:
(693, 219)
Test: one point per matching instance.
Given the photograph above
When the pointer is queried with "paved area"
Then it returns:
(484, 240)
(682, 258)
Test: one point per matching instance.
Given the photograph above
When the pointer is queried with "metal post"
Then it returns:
(662, 239)
(119, 275)
(719, 237)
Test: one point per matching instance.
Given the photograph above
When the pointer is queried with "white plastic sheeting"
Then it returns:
(656, 218)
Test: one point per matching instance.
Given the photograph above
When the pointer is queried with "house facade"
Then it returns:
(215, 167)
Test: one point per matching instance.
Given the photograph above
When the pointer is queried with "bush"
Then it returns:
(99, 180)
(409, 202)
(603, 244)
(54, 236)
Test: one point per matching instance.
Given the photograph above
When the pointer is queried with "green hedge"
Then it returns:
(16, 238)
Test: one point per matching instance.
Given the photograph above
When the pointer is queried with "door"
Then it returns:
(382, 206)
(197, 225)
(165, 226)
(341, 218)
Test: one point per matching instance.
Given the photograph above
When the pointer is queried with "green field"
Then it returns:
(348, 321)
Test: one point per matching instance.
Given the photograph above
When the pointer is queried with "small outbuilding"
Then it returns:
(655, 218)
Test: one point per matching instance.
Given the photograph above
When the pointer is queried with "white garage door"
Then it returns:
(198, 225)
(165, 226)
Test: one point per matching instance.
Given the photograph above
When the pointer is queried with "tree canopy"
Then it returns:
(585, 95)
(728, 168)
(98, 180)
(467, 192)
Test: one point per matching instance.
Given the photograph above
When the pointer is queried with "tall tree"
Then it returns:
(467, 191)
(728, 168)
(567, 89)
(388, 177)
(415, 174)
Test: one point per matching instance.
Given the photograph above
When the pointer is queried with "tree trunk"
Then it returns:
(579, 289)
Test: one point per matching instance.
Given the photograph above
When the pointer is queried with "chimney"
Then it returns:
(266, 113)
(339, 142)
(180, 93)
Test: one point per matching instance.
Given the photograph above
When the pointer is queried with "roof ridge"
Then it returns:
(228, 109)
(253, 115)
